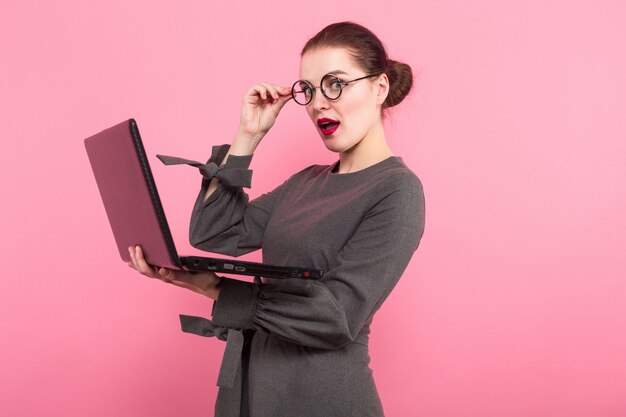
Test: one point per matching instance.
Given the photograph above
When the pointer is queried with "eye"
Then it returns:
(306, 89)
(336, 84)
(332, 85)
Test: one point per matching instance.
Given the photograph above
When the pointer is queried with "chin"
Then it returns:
(333, 147)
(338, 145)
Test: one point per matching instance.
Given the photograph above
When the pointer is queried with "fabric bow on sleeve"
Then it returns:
(234, 173)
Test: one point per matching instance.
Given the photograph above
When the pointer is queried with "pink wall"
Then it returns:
(512, 306)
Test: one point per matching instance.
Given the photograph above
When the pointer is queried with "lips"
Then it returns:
(327, 126)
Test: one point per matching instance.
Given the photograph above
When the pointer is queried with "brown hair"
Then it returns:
(369, 53)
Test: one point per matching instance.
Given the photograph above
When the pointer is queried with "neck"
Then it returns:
(369, 151)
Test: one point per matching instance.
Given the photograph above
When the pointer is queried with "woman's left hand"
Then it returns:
(205, 283)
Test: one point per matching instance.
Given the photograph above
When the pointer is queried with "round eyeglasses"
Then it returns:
(302, 91)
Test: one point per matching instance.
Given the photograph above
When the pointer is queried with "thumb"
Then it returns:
(282, 100)
(166, 273)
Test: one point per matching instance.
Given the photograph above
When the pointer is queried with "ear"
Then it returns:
(382, 84)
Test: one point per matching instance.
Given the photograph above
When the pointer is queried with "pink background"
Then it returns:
(514, 305)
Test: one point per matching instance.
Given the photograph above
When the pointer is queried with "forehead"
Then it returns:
(318, 62)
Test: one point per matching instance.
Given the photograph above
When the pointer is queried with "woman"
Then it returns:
(305, 350)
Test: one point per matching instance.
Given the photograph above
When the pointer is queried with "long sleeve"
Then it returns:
(330, 313)
(227, 222)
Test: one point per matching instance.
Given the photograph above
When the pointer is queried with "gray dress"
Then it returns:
(299, 347)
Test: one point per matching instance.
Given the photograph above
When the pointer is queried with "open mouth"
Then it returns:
(327, 126)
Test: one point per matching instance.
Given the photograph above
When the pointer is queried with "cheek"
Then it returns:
(357, 111)
(361, 101)
(309, 111)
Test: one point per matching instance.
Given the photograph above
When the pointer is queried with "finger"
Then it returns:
(183, 284)
(131, 251)
(173, 276)
(260, 91)
(143, 266)
(167, 275)
(272, 90)
(284, 91)
(179, 279)
(252, 95)
(135, 262)
(280, 103)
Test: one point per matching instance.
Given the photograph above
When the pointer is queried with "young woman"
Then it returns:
(300, 347)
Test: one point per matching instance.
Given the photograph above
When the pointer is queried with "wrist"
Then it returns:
(213, 292)
(245, 144)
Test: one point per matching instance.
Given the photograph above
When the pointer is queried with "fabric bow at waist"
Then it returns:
(229, 402)
(229, 370)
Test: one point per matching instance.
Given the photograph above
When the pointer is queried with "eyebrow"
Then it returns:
(334, 72)
(338, 72)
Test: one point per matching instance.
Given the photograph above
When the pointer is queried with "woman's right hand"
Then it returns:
(261, 105)
(205, 283)
(259, 110)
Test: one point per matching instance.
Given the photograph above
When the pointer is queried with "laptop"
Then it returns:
(136, 215)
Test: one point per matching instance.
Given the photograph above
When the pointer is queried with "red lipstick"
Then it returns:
(327, 126)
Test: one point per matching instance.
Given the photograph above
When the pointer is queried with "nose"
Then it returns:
(319, 100)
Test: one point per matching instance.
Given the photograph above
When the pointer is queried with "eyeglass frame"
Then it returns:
(344, 84)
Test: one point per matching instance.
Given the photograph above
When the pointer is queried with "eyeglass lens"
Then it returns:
(303, 91)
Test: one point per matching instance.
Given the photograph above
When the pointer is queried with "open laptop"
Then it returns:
(134, 209)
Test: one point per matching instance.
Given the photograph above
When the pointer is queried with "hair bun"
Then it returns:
(400, 82)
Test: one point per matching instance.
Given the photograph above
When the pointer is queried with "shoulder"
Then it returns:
(396, 177)
(397, 191)
(400, 200)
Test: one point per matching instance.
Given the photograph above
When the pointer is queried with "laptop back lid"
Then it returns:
(129, 194)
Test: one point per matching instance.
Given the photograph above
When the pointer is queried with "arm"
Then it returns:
(222, 221)
(331, 312)
(261, 105)
(227, 222)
